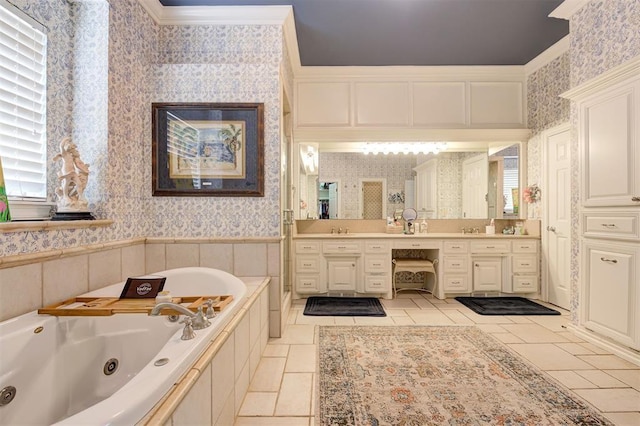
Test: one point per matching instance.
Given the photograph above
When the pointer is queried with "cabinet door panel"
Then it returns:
(342, 274)
(611, 160)
(611, 292)
(487, 275)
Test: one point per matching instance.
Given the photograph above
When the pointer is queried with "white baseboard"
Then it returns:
(623, 352)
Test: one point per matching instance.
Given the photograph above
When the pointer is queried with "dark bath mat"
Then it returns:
(344, 307)
(505, 306)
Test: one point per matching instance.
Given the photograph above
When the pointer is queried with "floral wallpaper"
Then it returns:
(222, 64)
(604, 33)
(545, 107)
(106, 106)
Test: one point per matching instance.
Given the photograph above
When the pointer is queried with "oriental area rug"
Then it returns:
(421, 375)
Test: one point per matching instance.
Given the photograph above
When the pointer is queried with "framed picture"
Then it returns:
(207, 149)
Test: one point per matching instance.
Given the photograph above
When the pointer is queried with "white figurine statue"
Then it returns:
(73, 176)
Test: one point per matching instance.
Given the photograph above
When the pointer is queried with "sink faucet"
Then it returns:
(198, 320)
(339, 230)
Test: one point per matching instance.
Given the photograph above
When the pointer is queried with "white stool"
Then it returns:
(415, 266)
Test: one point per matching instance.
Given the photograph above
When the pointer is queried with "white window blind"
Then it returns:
(22, 104)
(511, 180)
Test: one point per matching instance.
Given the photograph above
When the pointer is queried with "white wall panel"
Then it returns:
(496, 103)
(382, 104)
(439, 104)
(323, 104)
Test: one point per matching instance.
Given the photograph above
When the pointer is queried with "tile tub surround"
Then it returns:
(31, 281)
(212, 391)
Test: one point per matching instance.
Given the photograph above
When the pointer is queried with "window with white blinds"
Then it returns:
(23, 88)
(511, 180)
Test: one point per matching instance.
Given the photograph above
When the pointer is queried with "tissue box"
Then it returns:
(490, 230)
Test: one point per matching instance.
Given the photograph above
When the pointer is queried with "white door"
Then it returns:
(475, 178)
(333, 201)
(557, 244)
(427, 188)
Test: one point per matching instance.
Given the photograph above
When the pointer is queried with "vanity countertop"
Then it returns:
(435, 235)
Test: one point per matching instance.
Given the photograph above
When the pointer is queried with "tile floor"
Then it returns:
(281, 392)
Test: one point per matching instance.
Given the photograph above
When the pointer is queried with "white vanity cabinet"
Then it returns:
(525, 266)
(455, 267)
(377, 267)
(488, 258)
(342, 259)
(309, 278)
(350, 265)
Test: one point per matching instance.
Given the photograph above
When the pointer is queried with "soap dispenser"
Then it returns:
(424, 226)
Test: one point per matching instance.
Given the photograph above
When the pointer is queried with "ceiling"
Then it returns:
(416, 32)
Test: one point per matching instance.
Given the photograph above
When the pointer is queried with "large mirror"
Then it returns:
(481, 181)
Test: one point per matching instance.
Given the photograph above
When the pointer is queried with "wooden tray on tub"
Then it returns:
(107, 306)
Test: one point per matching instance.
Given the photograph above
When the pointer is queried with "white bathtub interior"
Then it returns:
(57, 364)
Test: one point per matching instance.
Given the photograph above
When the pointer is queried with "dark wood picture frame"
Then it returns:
(208, 149)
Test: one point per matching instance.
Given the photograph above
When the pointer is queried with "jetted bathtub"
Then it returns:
(104, 370)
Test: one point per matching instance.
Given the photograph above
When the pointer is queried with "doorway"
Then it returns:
(329, 199)
(556, 221)
(372, 203)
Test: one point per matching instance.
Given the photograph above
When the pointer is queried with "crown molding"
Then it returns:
(553, 52)
(568, 8)
(216, 15)
(606, 79)
(291, 42)
(323, 135)
(393, 73)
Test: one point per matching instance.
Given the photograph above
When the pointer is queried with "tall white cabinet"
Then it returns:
(609, 138)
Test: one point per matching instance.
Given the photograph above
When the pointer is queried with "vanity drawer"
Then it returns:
(525, 283)
(456, 264)
(623, 225)
(376, 247)
(307, 284)
(309, 264)
(377, 264)
(307, 246)
(529, 246)
(523, 264)
(456, 247)
(376, 284)
(456, 283)
(341, 247)
(488, 247)
(416, 244)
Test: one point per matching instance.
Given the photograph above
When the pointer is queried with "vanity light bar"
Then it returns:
(385, 148)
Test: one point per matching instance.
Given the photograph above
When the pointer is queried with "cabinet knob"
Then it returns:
(635, 198)
(551, 228)
(604, 259)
